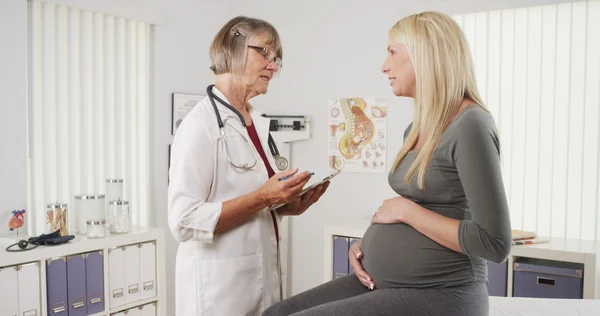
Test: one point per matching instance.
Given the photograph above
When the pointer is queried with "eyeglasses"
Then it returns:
(268, 54)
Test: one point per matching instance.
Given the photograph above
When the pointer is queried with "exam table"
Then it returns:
(517, 306)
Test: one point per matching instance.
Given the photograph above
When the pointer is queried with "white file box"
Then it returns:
(9, 291)
(29, 289)
(132, 274)
(148, 270)
(116, 272)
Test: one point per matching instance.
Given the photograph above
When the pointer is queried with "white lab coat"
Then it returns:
(232, 273)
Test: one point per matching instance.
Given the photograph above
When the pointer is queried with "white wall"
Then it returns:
(13, 107)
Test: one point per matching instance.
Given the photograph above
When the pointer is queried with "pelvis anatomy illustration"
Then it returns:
(359, 128)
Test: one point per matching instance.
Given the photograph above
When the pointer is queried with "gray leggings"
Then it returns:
(346, 296)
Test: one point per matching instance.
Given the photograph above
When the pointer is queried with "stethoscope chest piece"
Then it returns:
(281, 163)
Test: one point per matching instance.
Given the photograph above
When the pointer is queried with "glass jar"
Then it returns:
(96, 228)
(114, 192)
(88, 207)
(56, 218)
(119, 217)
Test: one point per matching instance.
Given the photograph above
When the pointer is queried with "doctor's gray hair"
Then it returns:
(229, 47)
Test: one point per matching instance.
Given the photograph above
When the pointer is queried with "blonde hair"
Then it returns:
(444, 75)
(229, 47)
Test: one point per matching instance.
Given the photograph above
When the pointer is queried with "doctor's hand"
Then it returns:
(275, 191)
(301, 205)
(355, 254)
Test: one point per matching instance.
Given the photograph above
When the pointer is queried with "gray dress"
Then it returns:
(415, 275)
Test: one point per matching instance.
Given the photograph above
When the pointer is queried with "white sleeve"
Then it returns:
(193, 162)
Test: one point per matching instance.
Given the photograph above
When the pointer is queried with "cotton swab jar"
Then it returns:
(96, 228)
(120, 217)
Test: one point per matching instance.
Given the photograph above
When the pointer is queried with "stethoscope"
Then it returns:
(280, 162)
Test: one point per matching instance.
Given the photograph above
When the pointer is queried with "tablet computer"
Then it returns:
(310, 187)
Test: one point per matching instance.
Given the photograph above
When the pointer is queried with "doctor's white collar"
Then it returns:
(223, 109)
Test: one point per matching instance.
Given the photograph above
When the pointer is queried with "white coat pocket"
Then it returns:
(238, 146)
(232, 286)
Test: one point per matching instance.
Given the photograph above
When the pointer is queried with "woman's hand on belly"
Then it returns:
(355, 254)
(394, 210)
(439, 228)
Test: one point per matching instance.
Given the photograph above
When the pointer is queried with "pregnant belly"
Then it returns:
(397, 255)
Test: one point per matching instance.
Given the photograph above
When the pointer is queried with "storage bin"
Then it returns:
(547, 279)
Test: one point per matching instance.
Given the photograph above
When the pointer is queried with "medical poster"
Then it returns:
(182, 105)
(358, 134)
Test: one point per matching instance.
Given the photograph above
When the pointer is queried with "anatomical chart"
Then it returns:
(358, 134)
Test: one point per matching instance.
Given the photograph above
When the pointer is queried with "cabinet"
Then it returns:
(83, 276)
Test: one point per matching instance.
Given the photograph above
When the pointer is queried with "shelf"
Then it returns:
(571, 250)
(81, 244)
(132, 305)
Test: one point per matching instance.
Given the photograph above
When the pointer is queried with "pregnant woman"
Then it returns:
(426, 251)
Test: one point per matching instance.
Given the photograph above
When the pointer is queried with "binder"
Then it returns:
(132, 274)
(9, 291)
(94, 282)
(352, 241)
(56, 287)
(148, 270)
(76, 285)
(340, 256)
(28, 277)
(116, 273)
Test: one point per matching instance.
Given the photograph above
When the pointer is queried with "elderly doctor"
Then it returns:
(223, 180)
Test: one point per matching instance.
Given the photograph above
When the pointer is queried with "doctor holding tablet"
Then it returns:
(223, 183)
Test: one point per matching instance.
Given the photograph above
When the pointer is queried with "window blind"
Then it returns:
(89, 108)
(538, 70)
